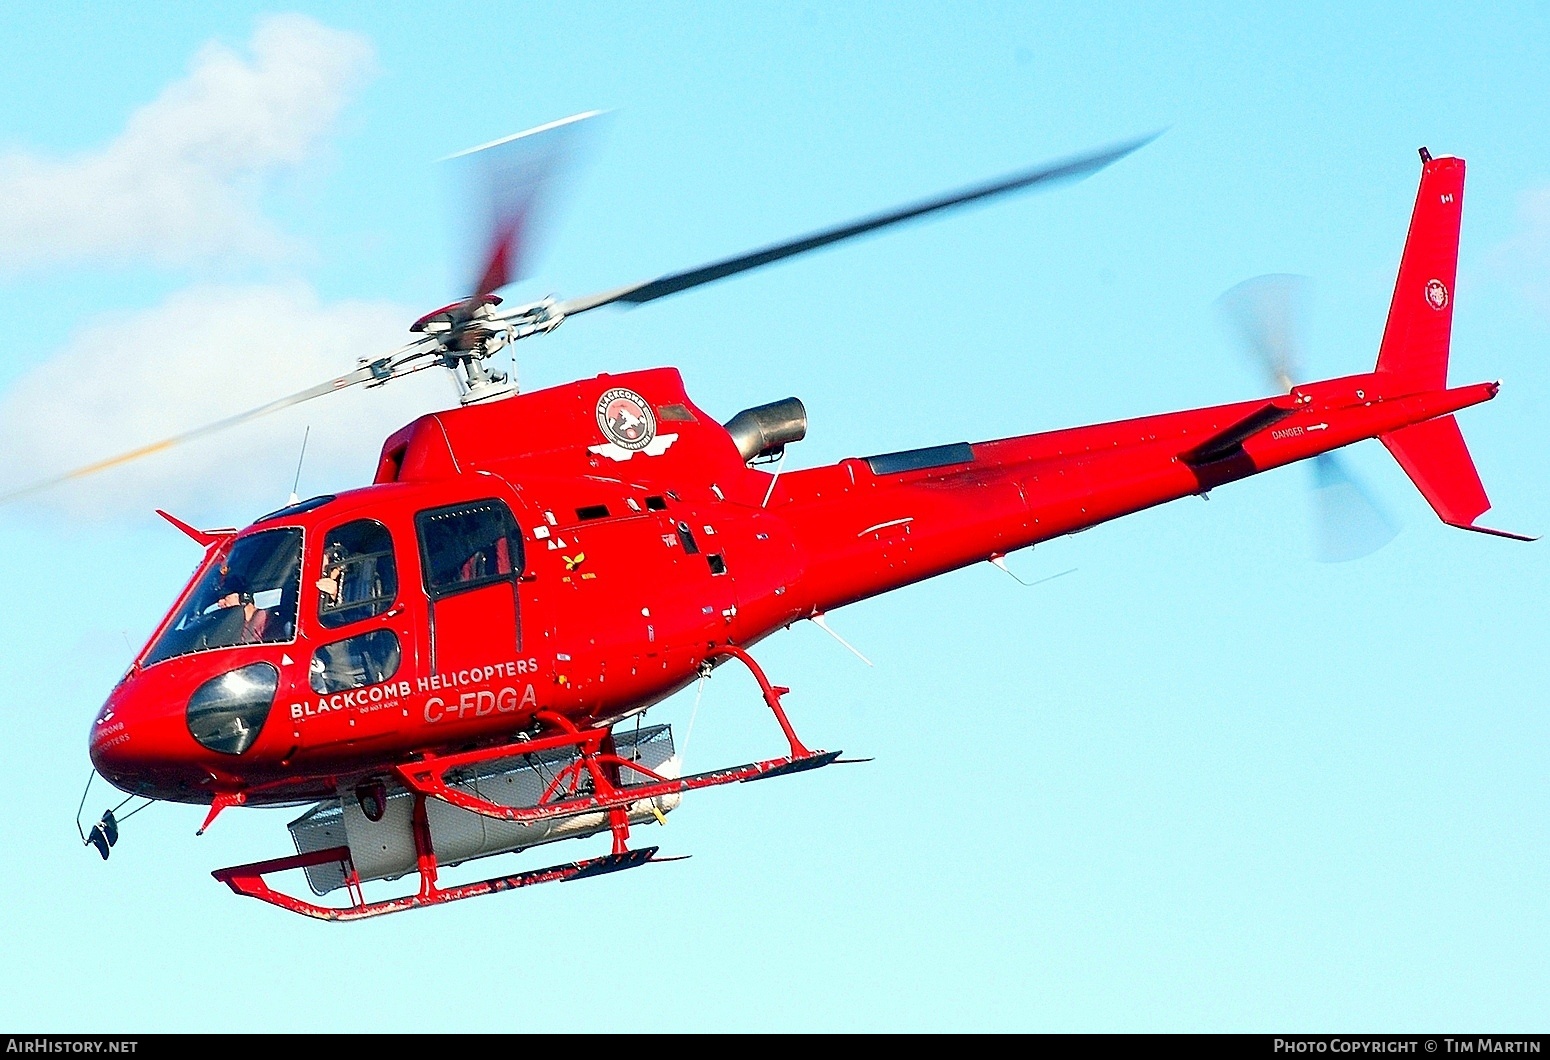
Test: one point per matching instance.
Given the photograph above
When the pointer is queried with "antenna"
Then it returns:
(303, 456)
(999, 560)
(774, 479)
(817, 619)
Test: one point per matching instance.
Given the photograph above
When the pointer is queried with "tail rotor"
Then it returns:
(1266, 316)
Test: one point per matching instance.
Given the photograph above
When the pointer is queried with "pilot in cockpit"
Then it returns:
(254, 618)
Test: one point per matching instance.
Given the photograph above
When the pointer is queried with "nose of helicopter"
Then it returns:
(139, 743)
(172, 730)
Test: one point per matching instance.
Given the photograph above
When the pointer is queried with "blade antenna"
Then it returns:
(699, 694)
(82, 808)
(999, 561)
(818, 620)
(297, 483)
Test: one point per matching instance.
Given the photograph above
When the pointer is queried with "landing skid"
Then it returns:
(249, 880)
(594, 783)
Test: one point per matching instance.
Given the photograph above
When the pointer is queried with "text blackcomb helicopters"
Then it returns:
(437, 663)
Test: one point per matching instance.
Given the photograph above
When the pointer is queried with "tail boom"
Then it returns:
(865, 532)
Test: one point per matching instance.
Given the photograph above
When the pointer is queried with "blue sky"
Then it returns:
(1202, 783)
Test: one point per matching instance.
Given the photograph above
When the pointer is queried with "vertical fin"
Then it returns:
(1414, 353)
(1415, 340)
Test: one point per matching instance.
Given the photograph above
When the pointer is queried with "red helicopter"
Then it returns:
(437, 664)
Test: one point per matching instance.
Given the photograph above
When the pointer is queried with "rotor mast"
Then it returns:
(464, 338)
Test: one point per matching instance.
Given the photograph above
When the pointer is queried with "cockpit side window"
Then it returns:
(468, 545)
(358, 576)
(249, 595)
(355, 662)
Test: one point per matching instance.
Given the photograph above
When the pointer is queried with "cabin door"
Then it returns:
(471, 561)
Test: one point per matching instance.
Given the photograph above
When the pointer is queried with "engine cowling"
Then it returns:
(765, 430)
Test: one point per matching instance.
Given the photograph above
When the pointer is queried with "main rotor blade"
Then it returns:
(359, 375)
(1073, 168)
(507, 191)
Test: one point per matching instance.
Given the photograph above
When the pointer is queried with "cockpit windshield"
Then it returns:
(250, 595)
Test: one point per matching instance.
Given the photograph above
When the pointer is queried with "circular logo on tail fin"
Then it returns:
(1436, 294)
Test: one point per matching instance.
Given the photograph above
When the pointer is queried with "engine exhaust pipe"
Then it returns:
(765, 430)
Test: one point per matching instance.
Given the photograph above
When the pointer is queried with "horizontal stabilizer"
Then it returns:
(1228, 442)
(1435, 457)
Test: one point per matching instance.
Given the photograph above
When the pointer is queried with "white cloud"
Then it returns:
(202, 355)
(184, 182)
(184, 179)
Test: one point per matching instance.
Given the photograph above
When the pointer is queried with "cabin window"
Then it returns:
(249, 595)
(296, 509)
(368, 659)
(656, 503)
(592, 511)
(468, 545)
(921, 459)
(358, 577)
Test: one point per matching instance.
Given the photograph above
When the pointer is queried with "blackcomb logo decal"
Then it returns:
(630, 426)
(625, 419)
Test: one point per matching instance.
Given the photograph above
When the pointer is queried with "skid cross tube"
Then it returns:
(426, 779)
(597, 760)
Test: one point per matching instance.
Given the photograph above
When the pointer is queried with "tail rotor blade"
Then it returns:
(1348, 522)
(1265, 315)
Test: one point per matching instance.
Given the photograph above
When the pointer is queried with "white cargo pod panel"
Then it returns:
(384, 850)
